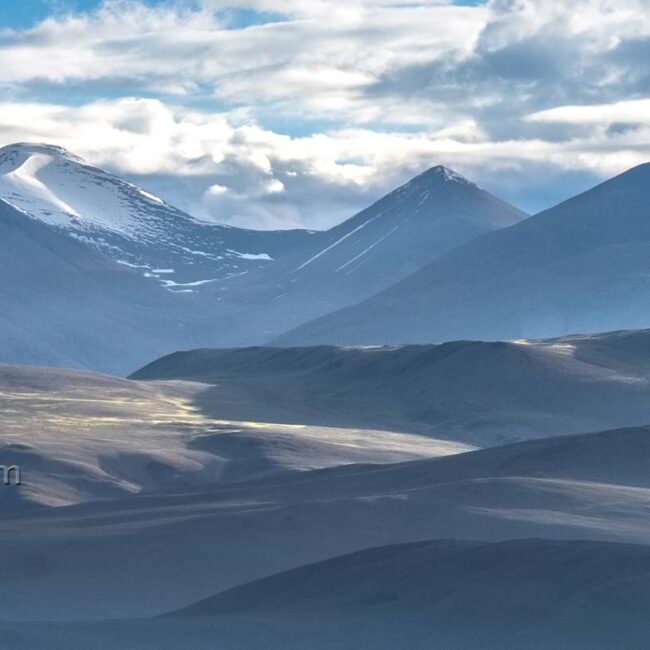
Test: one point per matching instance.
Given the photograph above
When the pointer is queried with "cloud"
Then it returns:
(224, 167)
(298, 112)
(319, 59)
(629, 112)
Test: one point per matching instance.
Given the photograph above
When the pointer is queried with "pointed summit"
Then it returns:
(431, 194)
(437, 179)
(442, 173)
(432, 213)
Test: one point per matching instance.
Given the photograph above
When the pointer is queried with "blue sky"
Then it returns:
(27, 13)
(284, 113)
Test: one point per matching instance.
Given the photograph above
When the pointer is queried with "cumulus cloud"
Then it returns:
(278, 113)
(636, 111)
(318, 59)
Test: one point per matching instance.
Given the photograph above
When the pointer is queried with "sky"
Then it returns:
(298, 113)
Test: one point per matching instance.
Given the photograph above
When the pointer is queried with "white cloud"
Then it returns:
(242, 173)
(629, 112)
(318, 60)
(310, 115)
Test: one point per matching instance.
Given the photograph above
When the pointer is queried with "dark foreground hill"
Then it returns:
(458, 595)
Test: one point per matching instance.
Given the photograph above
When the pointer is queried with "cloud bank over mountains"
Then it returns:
(296, 113)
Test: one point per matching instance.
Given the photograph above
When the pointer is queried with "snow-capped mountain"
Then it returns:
(397, 235)
(127, 223)
(582, 266)
(106, 256)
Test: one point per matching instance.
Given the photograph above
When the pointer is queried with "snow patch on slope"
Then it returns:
(251, 256)
(336, 243)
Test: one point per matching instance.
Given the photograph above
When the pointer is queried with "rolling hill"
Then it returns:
(581, 487)
(481, 393)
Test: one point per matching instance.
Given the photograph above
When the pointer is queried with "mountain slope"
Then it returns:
(482, 393)
(581, 266)
(64, 303)
(397, 235)
(130, 225)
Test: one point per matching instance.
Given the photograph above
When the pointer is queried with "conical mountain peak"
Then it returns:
(440, 173)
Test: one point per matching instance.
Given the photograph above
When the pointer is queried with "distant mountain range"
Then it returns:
(90, 262)
(100, 274)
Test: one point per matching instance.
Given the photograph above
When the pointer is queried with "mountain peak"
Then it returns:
(13, 155)
(434, 179)
(443, 174)
(635, 177)
(33, 147)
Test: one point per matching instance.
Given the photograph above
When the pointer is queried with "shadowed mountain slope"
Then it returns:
(66, 304)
